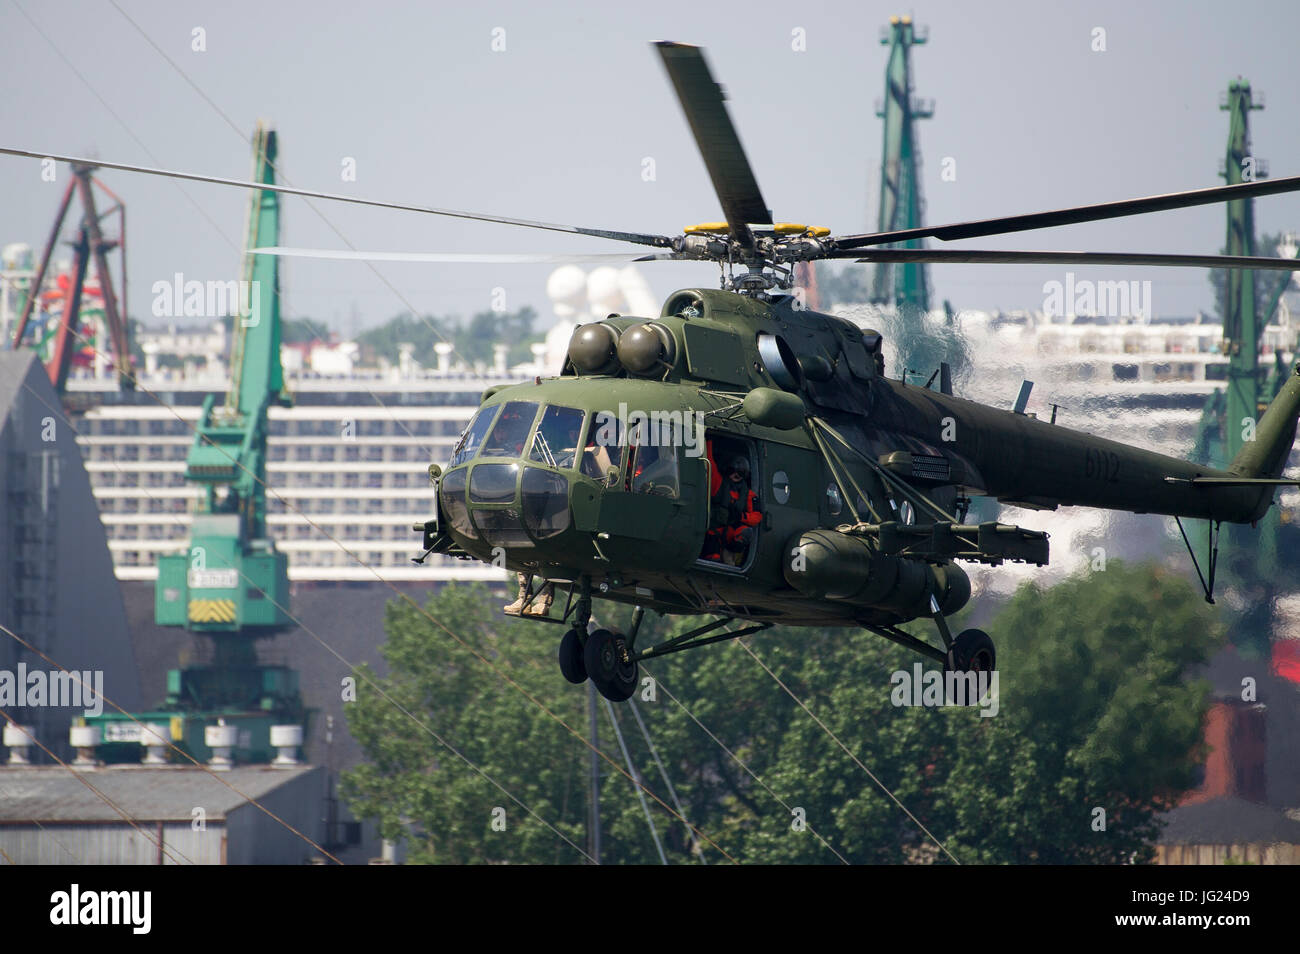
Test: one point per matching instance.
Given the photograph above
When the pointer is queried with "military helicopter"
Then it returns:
(741, 457)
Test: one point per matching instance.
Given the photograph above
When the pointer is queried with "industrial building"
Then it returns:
(161, 815)
(59, 593)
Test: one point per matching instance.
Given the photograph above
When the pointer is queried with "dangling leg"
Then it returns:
(541, 603)
(515, 608)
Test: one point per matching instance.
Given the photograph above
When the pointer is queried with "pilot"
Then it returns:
(736, 515)
(596, 461)
(509, 434)
(571, 445)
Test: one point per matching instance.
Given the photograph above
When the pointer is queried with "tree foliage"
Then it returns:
(1095, 711)
(473, 339)
(303, 330)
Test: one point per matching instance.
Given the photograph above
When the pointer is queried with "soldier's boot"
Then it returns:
(516, 608)
(541, 604)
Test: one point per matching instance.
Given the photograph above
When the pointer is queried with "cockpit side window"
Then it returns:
(557, 440)
(603, 448)
(653, 465)
(511, 430)
(473, 435)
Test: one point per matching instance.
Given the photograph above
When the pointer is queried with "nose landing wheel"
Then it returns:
(571, 661)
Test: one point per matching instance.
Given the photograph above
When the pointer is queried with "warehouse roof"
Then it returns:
(51, 793)
(1229, 821)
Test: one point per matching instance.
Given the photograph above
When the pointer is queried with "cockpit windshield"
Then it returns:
(557, 440)
(511, 430)
(473, 436)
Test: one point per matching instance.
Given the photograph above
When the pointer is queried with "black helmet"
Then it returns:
(740, 465)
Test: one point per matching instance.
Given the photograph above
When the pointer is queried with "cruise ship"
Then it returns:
(347, 469)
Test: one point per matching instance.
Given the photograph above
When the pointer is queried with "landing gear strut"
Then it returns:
(969, 651)
(603, 657)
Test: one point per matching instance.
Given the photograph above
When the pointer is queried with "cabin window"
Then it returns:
(557, 440)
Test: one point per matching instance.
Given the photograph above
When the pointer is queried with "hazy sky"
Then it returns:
(556, 126)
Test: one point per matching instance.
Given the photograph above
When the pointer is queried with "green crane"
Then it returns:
(232, 580)
(922, 346)
(232, 584)
(907, 286)
(1241, 324)
(1231, 413)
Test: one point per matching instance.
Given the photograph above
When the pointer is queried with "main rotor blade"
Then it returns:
(706, 111)
(934, 256)
(467, 258)
(1077, 214)
(637, 238)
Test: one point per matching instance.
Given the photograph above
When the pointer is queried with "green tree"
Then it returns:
(303, 330)
(1096, 710)
(472, 339)
(423, 333)
(475, 338)
(1100, 711)
(418, 789)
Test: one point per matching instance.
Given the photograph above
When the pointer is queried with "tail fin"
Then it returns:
(1267, 454)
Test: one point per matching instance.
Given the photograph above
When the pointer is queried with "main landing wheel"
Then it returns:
(972, 651)
(571, 664)
(605, 657)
